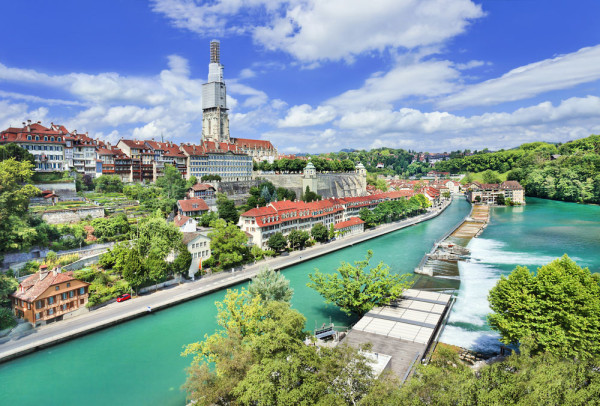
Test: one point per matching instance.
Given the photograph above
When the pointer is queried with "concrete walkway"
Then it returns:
(116, 313)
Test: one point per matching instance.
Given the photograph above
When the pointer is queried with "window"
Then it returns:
(38, 316)
(50, 311)
(39, 304)
(63, 307)
(45, 138)
(58, 139)
(81, 291)
(51, 300)
(64, 296)
(57, 288)
(68, 284)
(37, 137)
(29, 137)
(28, 306)
(51, 138)
(71, 293)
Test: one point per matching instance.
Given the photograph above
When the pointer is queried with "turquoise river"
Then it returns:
(138, 362)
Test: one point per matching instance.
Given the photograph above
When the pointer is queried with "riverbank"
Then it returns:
(119, 312)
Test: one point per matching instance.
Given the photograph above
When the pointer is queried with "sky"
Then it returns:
(308, 75)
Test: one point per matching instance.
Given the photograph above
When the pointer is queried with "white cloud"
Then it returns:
(428, 79)
(439, 131)
(471, 65)
(304, 115)
(313, 30)
(562, 72)
(412, 121)
(167, 104)
(12, 114)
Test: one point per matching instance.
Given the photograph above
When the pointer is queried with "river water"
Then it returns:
(138, 362)
(531, 235)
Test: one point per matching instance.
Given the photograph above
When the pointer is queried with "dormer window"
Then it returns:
(29, 137)
(45, 138)
(52, 139)
(58, 139)
(37, 137)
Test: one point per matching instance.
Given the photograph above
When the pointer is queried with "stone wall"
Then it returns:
(328, 184)
(63, 189)
(238, 191)
(72, 215)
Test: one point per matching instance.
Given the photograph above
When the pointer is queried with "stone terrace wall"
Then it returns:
(72, 215)
(63, 189)
(329, 184)
(238, 191)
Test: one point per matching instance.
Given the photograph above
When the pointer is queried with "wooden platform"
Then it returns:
(403, 329)
(472, 226)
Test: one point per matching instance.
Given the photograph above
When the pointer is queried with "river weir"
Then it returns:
(440, 265)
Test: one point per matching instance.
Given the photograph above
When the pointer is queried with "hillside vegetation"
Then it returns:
(569, 172)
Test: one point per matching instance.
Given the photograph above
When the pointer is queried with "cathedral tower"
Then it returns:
(215, 121)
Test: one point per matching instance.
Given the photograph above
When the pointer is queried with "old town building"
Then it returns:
(48, 296)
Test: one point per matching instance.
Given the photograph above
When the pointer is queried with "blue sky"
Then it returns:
(311, 76)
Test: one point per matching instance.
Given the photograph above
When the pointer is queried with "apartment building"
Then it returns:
(259, 150)
(85, 158)
(488, 193)
(47, 296)
(47, 145)
(284, 216)
(217, 158)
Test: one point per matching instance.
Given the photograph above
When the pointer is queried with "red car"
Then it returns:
(124, 297)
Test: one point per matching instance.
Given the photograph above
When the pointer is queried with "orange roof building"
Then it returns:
(48, 295)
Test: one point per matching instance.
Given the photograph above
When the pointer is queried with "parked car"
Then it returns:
(124, 297)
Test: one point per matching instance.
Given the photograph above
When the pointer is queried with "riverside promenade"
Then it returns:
(116, 313)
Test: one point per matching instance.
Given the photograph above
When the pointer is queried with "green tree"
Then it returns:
(258, 357)
(355, 290)
(271, 285)
(7, 318)
(277, 242)
(519, 380)
(172, 183)
(226, 209)
(500, 200)
(12, 150)
(8, 285)
(331, 234)
(319, 232)
(228, 245)
(109, 184)
(182, 263)
(557, 310)
(298, 238)
(310, 196)
(15, 192)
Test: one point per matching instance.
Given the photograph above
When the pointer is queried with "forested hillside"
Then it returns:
(569, 172)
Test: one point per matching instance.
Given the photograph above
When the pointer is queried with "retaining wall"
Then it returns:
(328, 184)
(72, 215)
(62, 189)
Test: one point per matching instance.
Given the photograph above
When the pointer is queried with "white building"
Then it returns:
(198, 244)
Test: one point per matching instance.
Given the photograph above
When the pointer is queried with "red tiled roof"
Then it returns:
(195, 204)
(31, 288)
(202, 186)
(250, 143)
(180, 220)
(210, 147)
(353, 221)
(511, 185)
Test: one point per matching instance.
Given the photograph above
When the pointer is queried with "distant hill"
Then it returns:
(569, 171)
